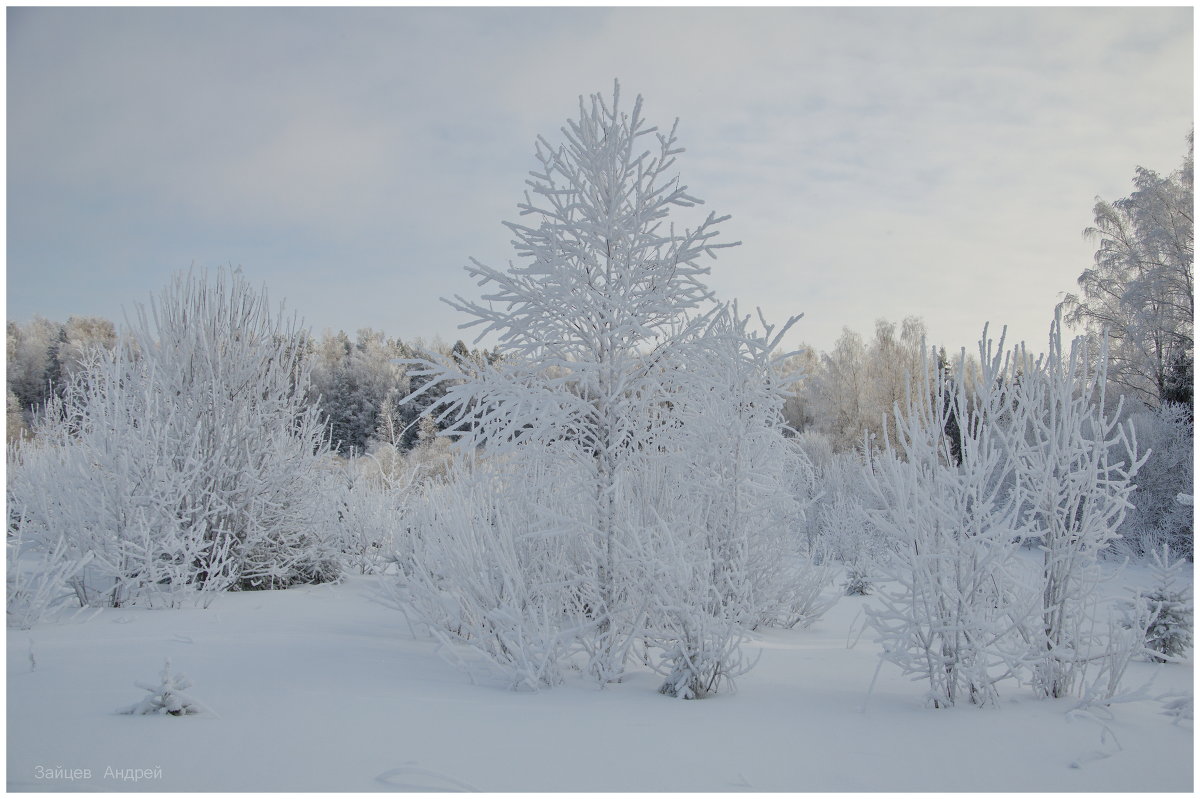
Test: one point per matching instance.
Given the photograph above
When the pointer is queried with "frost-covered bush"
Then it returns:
(738, 479)
(1100, 670)
(372, 494)
(723, 500)
(949, 614)
(838, 522)
(805, 591)
(697, 643)
(38, 584)
(847, 532)
(371, 499)
(1074, 464)
(167, 697)
(492, 567)
(185, 460)
(1037, 458)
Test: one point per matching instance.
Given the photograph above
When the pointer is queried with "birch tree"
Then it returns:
(1141, 289)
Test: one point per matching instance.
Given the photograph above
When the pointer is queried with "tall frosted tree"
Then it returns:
(1141, 289)
(606, 291)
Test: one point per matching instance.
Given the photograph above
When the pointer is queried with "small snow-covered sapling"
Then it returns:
(166, 698)
(1169, 635)
(858, 583)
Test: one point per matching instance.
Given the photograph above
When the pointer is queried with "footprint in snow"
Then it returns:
(426, 780)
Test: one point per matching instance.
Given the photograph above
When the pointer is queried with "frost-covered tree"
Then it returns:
(839, 392)
(186, 459)
(891, 361)
(1140, 291)
(606, 288)
(623, 386)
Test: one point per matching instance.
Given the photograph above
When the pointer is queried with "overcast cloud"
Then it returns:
(877, 162)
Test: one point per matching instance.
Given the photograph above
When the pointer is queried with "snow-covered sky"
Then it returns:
(878, 162)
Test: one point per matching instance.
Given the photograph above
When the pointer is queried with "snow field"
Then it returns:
(324, 688)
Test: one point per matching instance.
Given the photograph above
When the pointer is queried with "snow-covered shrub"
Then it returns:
(1074, 463)
(1101, 673)
(744, 484)
(697, 640)
(38, 585)
(431, 458)
(714, 515)
(492, 571)
(167, 697)
(1038, 458)
(371, 499)
(839, 523)
(948, 613)
(817, 449)
(185, 459)
(857, 583)
(805, 592)
(110, 503)
(845, 529)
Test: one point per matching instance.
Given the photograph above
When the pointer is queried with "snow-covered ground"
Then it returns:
(325, 688)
